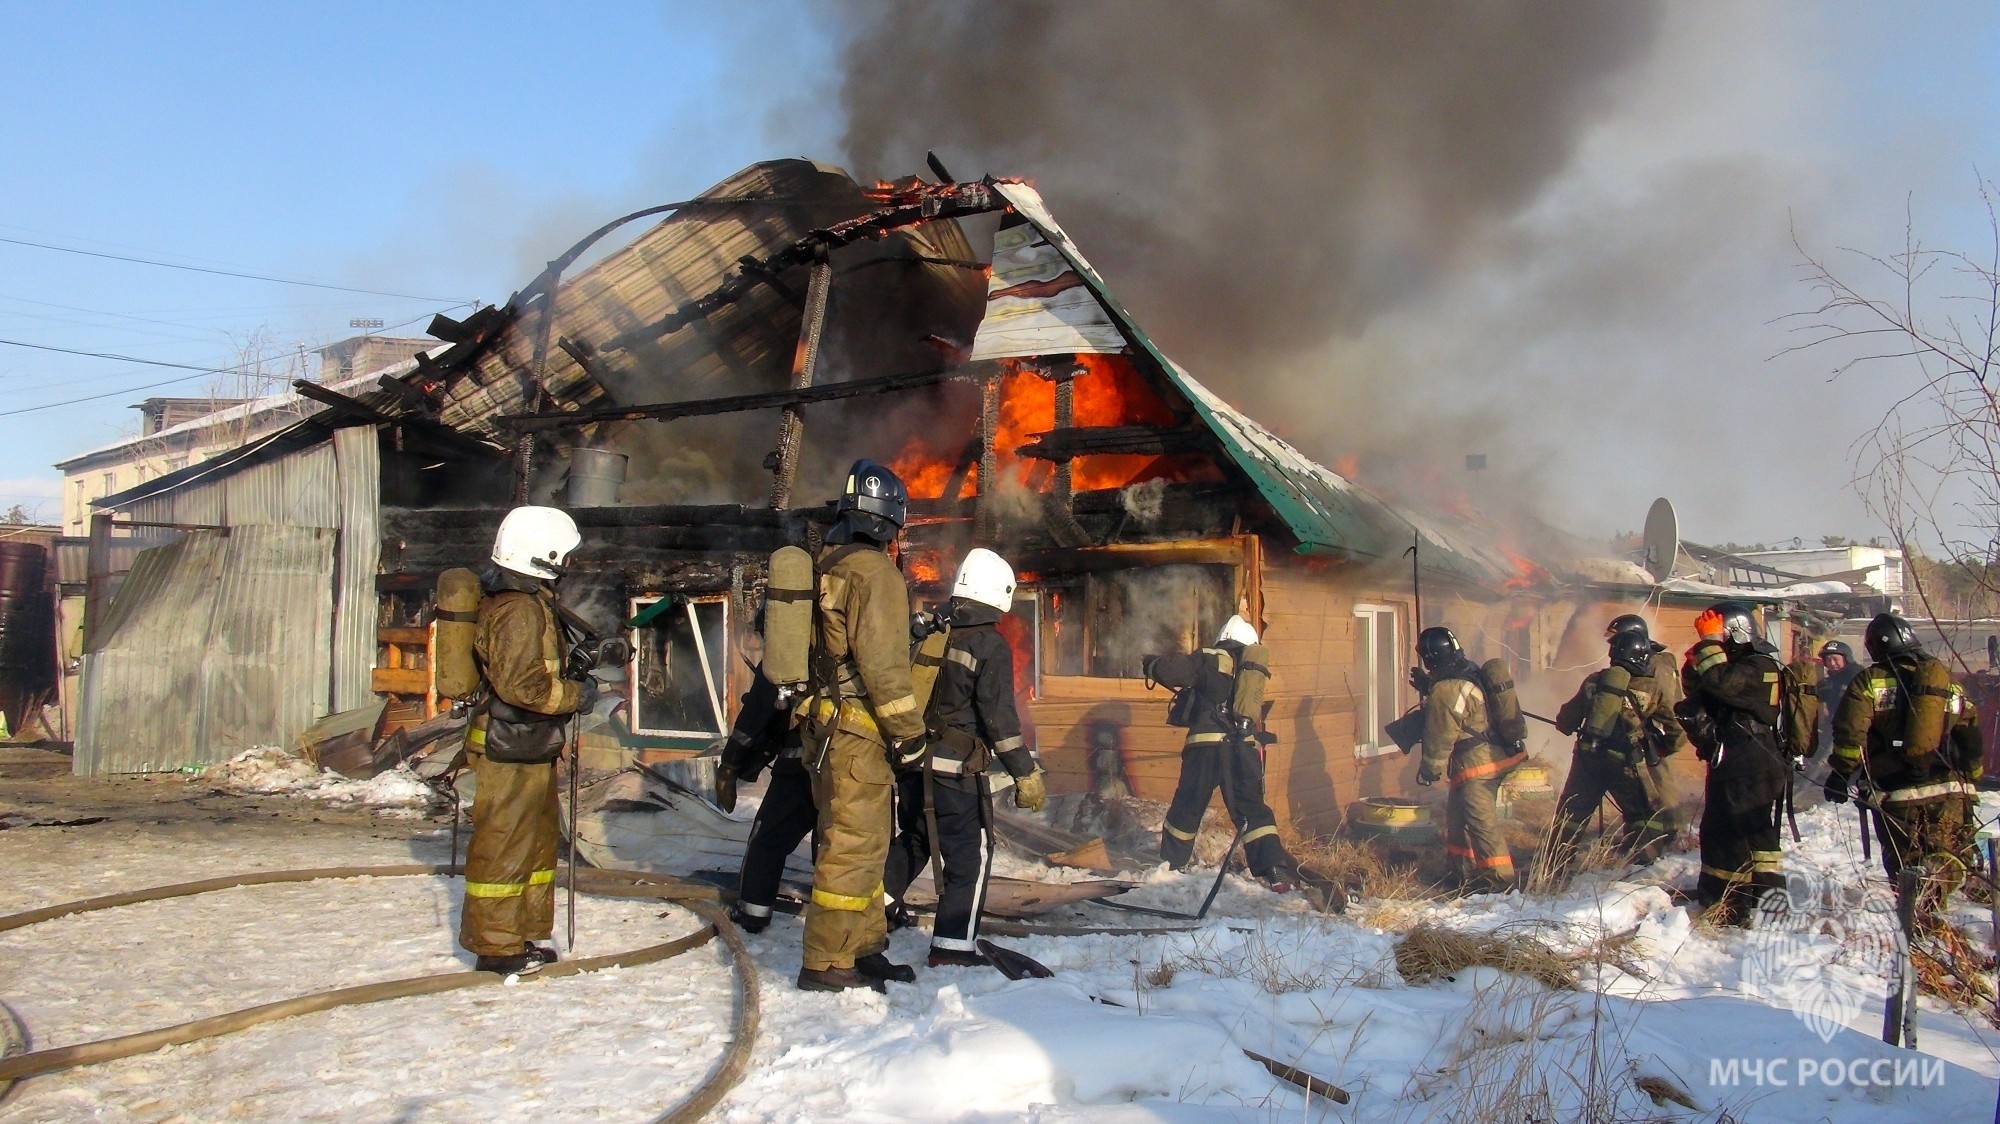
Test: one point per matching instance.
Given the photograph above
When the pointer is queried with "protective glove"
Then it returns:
(1146, 669)
(587, 694)
(1246, 730)
(908, 753)
(1836, 789)
(725, 788)
(1426, 775)
(1420, 681)
(1030, 792)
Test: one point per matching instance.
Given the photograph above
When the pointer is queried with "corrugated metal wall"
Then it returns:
(300, 490)
(358, 458)
(142, 691)
(247, 638)
(217, 643)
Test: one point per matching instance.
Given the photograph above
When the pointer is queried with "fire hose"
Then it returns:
(16, 1063)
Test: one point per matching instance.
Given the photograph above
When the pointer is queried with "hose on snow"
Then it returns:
(17, 1063)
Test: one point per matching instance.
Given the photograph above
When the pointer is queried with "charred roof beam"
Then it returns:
(1115, 440)
(740, 403)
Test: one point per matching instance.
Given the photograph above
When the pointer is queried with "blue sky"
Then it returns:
(446, 150)
(439, 151)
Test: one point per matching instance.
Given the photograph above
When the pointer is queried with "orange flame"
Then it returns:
(1110, 392)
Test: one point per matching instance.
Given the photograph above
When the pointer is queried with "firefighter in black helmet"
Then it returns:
(1734, 683)
(1623, 727)
(1665, 671)
(1463, 747)
(1907, 731)
(861, 716)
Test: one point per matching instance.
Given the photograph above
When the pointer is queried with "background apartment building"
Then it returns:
(177, 432)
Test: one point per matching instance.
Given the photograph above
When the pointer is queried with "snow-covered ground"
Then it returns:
(960, 1045)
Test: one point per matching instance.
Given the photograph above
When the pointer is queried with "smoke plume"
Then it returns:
(1252, 178)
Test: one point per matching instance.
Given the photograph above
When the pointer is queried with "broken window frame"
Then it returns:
(1051, 680)
(714, 669)
(1028, 607)
(1371, 710)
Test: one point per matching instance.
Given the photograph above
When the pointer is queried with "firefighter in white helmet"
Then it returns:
(1218, 698)
(514, 738)
(943, 809)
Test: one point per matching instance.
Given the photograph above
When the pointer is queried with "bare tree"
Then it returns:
(1930, 317)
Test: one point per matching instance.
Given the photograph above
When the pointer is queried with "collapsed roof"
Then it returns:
(704, 313)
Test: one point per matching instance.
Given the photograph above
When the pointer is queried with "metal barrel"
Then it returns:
(595, 476)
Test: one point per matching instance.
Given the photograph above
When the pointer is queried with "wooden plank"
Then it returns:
(413, 636)
(401, 680)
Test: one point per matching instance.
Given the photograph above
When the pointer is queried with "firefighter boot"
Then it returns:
(956, 958)
(879, 967)
(747, 921)
(836, 979)
(519, 964)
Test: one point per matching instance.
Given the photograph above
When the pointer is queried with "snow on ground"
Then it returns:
(961, 1045)
(266, 771)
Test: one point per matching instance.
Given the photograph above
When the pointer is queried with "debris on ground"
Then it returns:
(269, 771)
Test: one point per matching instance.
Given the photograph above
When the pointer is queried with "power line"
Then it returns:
(198, 373)
(219, 272)
(126, 358)
(109, 393)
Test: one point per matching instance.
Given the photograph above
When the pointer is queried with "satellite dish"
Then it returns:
(1663, 539)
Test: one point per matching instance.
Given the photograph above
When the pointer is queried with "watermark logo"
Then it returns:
(1860, 1073)
(1821, 949)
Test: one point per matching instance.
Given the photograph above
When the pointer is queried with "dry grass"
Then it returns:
(1553, 874)
(1357, 865)
(1493, 1063)
(1951, 968)
(1665, 1092)
(1428, 953)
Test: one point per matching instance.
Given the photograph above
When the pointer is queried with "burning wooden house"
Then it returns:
(694, 397)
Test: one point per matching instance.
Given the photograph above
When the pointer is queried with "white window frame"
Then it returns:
(1371, 712)
(709, 669)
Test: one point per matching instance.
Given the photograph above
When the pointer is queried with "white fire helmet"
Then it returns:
(1239, 630)
(535, 541)
(985, 577)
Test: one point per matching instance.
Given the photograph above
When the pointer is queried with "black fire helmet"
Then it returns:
(874, 503)
(1628, 622)
(1890, 635)
(1633, 652)
(1437, 647)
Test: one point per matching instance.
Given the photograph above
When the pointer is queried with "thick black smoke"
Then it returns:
(1253, 178)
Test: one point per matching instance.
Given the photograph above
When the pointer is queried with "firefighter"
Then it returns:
(1222, 751)
(1907, 733)
(1623, 727)
(513, 740)
(760, 738)
(1666, 676)
(1665, 671)
(945, 805)
(861, 716)
(1734, 684)
(1461, 748)
(1837, 670)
